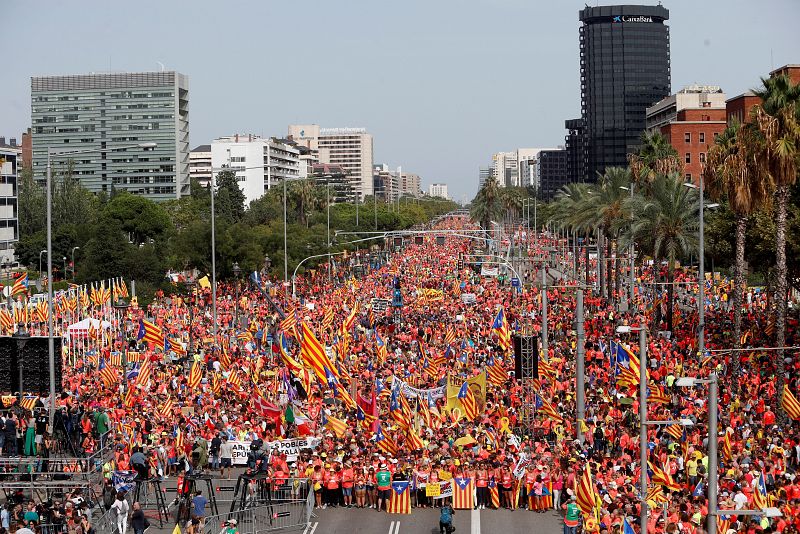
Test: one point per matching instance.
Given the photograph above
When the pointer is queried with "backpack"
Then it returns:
(446, 515)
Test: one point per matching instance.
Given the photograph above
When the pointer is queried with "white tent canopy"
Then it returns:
(81, 328)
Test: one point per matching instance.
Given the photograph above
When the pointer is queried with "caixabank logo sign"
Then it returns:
(624, 18)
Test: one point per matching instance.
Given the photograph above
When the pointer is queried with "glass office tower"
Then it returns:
(624, 58)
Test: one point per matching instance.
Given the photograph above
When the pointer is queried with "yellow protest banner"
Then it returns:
(433, 490)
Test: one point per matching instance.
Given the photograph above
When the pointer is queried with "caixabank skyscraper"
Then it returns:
(625, 67)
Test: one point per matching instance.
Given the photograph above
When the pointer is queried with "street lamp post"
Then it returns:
(72, 253)
(631, 254)
(64, 259)
(50, 327)
(237, 271)
(580, 373)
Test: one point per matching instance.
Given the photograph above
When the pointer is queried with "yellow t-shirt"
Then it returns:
(691, 468)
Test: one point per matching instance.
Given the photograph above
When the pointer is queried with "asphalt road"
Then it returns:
(426, 521)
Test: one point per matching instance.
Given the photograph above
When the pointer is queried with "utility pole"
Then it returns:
(545, 347)
(580, 373)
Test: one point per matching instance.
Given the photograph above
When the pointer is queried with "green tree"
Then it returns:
(778, 120)
(655, 156)
(665, 224)
(229, 202)
(731, 173)
(486, 206)
(138, 216)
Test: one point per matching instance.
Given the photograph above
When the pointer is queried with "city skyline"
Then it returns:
(414, 75)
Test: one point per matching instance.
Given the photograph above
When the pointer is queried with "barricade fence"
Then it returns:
(268, 508)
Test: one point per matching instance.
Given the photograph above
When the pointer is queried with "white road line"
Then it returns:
(475, 522)
(392, 529)
(309, 526)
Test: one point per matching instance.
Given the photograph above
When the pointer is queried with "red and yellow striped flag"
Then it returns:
(585, 492)
(195, 375)
(313, 354)
(790, 404)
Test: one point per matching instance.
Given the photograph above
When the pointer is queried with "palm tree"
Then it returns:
(778, 120)
(656, 156)
(303, 192)
(664, 222)
(569, 211)
(511, 201)
(607, 204)
(731, 173)
(486, 205)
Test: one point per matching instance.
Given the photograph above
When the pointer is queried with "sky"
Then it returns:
(440, 84)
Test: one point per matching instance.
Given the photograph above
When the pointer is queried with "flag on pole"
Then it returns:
(107, 374)
(500, 327)
(495, 371)
(20, 286)
(195, 375)
(760, 500)
(384, 442)
(586, 494)
(790, 404)
(462, 493)
(337, 426)
(494, 492)
(468, 402)
(149, 332)
(400, 499)
(314, 355)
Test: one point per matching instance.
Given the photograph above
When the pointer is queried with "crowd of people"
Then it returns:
(426, 392)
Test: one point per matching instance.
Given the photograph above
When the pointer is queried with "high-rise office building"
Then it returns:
(551, 168)
(625, 67)
(349, 147)
(99, 114)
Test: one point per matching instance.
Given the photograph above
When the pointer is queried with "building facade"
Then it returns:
(410, 184)
(200, 164)
(692, 133)
(552, 172)
(342, 185)
(483, 174)
(624, 67)
(505, 169)
(259, 163)
(100, 113)
(10, 165)
(386, 183)
(691, 97)
(349, 147)
(574, 143)
(438, 190)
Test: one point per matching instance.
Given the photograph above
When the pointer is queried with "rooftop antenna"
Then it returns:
(161, 65)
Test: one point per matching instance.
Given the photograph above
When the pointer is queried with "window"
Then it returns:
(688, 177)
(688, 157)
(702, 138)
(716, 135)
(702, 157)
(687, 138)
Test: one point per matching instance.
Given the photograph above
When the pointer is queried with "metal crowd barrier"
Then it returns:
(289, 505)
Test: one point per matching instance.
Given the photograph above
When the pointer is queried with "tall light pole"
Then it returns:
(545, 347)
(51, 358)
(580, 373)
(72, 253)
(631, 255)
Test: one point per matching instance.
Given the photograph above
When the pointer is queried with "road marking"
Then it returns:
(394, 527)
(475, 522)
(309, 526)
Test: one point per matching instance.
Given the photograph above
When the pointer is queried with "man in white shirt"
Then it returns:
(740, 500)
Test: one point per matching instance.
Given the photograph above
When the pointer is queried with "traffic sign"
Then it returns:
(515, 282)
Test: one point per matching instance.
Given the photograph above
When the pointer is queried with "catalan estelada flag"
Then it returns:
(400, 499)
(20, 286)
(108, 375)
(149, 332)
(468, 402)
(495, 371)
(337, 426)
(314, 355)
(500, 327)
(548, 409)
(462, 493)
(495, 493)
(790, 404)
(166, 408)
(384, 442)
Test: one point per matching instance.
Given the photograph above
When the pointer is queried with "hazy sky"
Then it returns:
(440, 84)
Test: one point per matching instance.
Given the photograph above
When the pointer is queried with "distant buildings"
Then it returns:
(691, 120)
(391, 185)
(259, 163)
(10, 165)
(99, 113)
(200, 164)
(349, 147)
(343, 186)
(513, 169)
(438, 190)
(551, 172)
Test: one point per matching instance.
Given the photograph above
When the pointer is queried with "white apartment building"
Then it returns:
(438, 190)
(504, 169)
(410, 183)
(200, 164)
(514, 169)
(10, 160)
(690, 97)
(259, 163)
(349, 147)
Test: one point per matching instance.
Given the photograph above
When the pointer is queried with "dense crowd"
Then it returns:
(389, 403)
